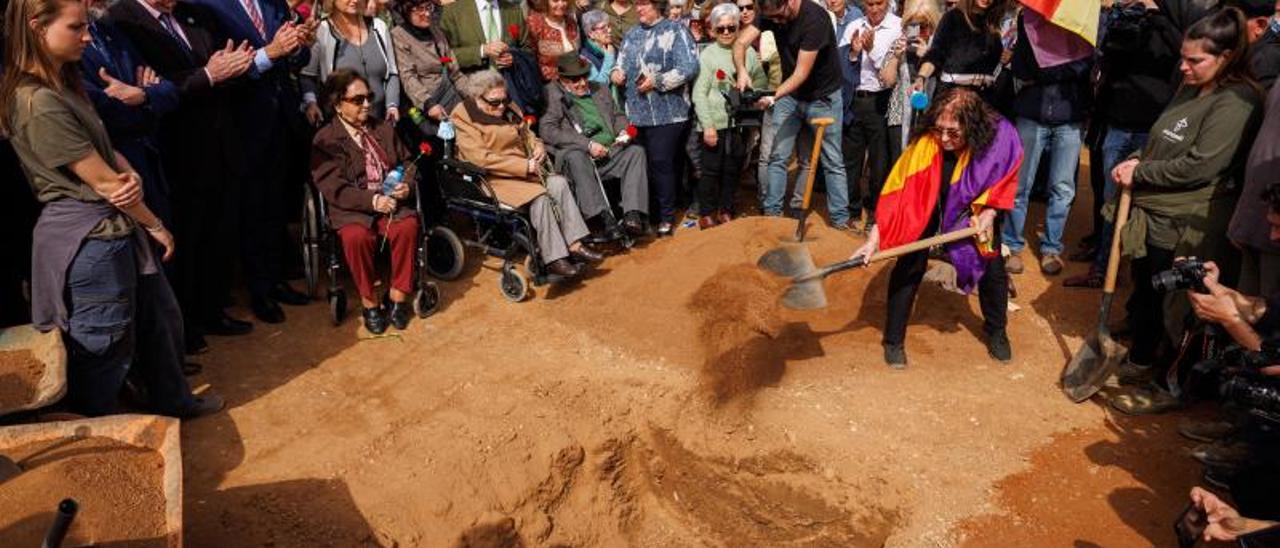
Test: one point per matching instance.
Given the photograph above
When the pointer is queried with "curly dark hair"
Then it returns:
(976, 117)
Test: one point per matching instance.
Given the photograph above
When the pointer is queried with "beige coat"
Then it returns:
(497, 146)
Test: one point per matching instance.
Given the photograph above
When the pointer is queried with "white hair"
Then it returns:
(482, 81)
(721, 11)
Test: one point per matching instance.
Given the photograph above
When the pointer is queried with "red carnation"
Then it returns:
(424, 148)
(446, 60)
(530, 119)
(631, 131)
(720, 74)
(514, 30)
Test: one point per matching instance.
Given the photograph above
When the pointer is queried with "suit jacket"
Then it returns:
(498, 146)
(559, 126)
(460, 22)
(337, 168)
(264, 96)
(199, 140)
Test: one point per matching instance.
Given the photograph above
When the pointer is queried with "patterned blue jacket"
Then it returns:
(665, 52)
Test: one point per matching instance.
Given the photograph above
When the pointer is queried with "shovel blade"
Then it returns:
(1090, 367)
(788, 260)
(806, 295)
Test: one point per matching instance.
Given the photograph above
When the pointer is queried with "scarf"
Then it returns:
(988, 179)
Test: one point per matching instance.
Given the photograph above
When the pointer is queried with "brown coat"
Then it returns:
(337, 169)
(421, 71)
(497, 146)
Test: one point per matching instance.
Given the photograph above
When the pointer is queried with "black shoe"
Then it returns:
(284, 294)
(267, 309)
(224, 325)
(633, 223)
(895, 356)
(375, 321)
(998, 346)
(586, 254)
(666, 228)
(195, 344)
(563, 268)
(400, 314)
(207, 404)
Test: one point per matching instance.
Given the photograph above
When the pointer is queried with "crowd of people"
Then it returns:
(129, 117)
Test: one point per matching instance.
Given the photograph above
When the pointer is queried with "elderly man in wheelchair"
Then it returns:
(588, 135)
(493, 134)
(357, 165)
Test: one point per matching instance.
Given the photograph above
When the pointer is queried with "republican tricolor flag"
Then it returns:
(1077, 16)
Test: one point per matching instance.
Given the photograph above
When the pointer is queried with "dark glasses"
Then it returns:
(948, 132)
(359, 99)
(726, 30)
(747, 7)
(494, 102)
(574, 79)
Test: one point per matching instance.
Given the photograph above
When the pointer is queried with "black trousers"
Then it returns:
(904, 283)
(721, 171)
(664, 146)
(264, 214)
(1146, 305)
(867, 135)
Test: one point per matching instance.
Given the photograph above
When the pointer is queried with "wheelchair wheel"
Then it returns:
(427, 300)
(444, 253)
(311, 261)
(337, 306)
(515, 284)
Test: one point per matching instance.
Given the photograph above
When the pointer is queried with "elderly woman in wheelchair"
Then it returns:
(493, 135)
(355, 162)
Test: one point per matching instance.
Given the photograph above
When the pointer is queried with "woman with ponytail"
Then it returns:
(1185, 183)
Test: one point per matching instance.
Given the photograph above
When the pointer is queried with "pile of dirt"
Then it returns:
(119, 487)
(20, 374)
(737, 309)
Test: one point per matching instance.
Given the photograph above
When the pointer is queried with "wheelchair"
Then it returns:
(322, 257)
(498, 231)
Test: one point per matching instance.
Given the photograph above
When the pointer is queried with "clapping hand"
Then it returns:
(146, 77)
(229, 62)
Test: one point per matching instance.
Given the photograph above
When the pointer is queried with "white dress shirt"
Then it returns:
(887, 32)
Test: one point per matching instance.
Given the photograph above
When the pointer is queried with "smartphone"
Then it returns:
(1189, 527)
(913, 31)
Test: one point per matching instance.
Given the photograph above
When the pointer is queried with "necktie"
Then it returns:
(251, 6)
(166, 21)
(494, 32)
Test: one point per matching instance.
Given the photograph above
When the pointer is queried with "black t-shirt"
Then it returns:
(959, 48)
(811, 30)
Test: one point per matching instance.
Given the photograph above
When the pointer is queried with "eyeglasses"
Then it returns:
(603, 27)
(359, 99)
(747, 7)
(425, 8)
(726, 30)
(948, 132)
(495, 102)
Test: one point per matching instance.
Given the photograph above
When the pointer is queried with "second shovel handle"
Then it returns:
(1113, 260)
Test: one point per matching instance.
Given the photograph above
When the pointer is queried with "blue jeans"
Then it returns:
(1117, 146)
(111, 309)
(788, 116)
(1062, 143)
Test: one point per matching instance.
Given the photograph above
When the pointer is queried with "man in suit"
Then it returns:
(265, 101)
(588, 135)
(480, 32)
(200, 149)
(131, 99)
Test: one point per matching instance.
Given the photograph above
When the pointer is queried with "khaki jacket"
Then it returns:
(497, 145)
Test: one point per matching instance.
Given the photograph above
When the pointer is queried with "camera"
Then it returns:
(1255, 392)
(742, 106)
(1187, 273)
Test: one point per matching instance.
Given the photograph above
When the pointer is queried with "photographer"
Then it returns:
(723, 145)
(811, 89)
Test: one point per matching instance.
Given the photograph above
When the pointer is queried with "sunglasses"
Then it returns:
(574, 79)
(495, 102)
(948, 132)
(726, 30)
(747, 7)
(359, 99)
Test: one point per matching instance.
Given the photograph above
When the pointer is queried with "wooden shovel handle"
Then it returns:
(821, 125)
(892, 252)
(1113, 260)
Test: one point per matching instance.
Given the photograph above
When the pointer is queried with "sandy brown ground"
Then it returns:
(590, 416)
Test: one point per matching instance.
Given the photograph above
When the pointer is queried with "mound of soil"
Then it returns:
(20, 374)
(119, 487)
(738, 312)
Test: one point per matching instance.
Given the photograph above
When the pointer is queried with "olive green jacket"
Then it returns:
(460, 22)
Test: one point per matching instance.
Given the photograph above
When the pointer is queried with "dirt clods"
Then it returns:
(737, 310)
(20, 374)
